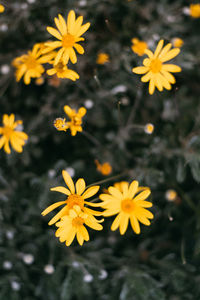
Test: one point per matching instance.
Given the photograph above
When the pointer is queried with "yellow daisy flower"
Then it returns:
(138, 46)
(72, 226)
(68, 34)
(2, 8)
(156, 71)
(128, 206)
(62, 71)
(76, 195)
(76, 118)
(104, 169)
(195, 10)
(10, 134)
(102, 58)
(177, 42)
(30, 65)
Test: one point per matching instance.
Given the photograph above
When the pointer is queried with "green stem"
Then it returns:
(108, 179)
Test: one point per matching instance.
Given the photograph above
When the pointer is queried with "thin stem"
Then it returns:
(135, 106)
(91, 138)
(183, 252)
(108, 179)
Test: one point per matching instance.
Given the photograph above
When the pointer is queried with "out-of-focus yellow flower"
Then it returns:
(138, 46)
(157, 73)
(75, 123)
(128, 206)
(60, 124)
(30, 65)
(149, 128)
(39, 81)
(62, 71)
(54, 81)
(177, 42)
(10, 134)
(105, 168)
(68, 35)
(195, 10)
(171, 195)
(76, 195)
(102, 58)
(2, 8)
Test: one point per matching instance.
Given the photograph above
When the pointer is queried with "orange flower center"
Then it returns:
(77, 121)
(31, 62)
(75, 199)
(59, 67)
(78, 221)
(7, 131)
(68, 41)
(155, 65)
(127, 205)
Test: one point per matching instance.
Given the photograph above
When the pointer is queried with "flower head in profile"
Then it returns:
(195, 10)
(73, 225)
(62, 71)
(156, 72)
(75, 123)
(11, 135)
(129, 204)
(76, 195)
(68, 34)
(102, 58)
(138, 46)
(105, 168)
(30, 65)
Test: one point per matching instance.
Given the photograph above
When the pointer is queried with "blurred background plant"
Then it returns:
(163, 261)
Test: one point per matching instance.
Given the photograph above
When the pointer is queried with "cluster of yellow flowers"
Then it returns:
(68, 35)
(126, 201)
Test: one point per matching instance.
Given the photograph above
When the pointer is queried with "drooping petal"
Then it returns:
(68, 180)
(123, 223)
(72, 55)
(7, 147)
(52, 207)
(80, 186)
(80, 238)
(90, 192)
(151, 86)
(70, 237)
(135, 224)
(2, 141)
(116, 222)
(61, 189)
(84, 233)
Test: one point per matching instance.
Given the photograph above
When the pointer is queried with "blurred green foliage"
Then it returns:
(163, 261)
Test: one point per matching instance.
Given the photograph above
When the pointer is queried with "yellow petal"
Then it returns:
(2, 141)
(68, 111)
(171, 54)
(61, 189)
(79, 48)
(52, 207)
(93, 225)
(165, 50)
(80, 186)
(70, 237)
(140, 70)
(59, 215)
(132, 189)
(143, 195)
(143, 220)
(123, 223)
(149, 53)
(144, 203)
(135, 225)
(68, 180)
(7, 147)
(71, 21)
(168, 76)
(79, 237)
(116, 222)
(90, 192)
(63, 25)
(58, 56)
(84, 233)
(151, 86)
(72, 55)
(21, 135)
(54, 32)
(143, 212)
(16, 146)
(5, 120)
(171, 68)
(158, 48)
(115, 192)
(77, 25)
(51, 72)
(83, 29)
(146, 77)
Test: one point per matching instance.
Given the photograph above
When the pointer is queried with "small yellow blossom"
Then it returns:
(60, 124)
(195, 10)
(177, 42)
(30, 65)
(73, 225)
(75, 123)
(157, 73)
(171, 195)
(62, 71)
(102, 58)
(105, 168)
(149, 128)
(128, 205)
(10, 134)
(68, 35)
(76, 195)
(2, 8)
(138, 46)
(39, 81)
